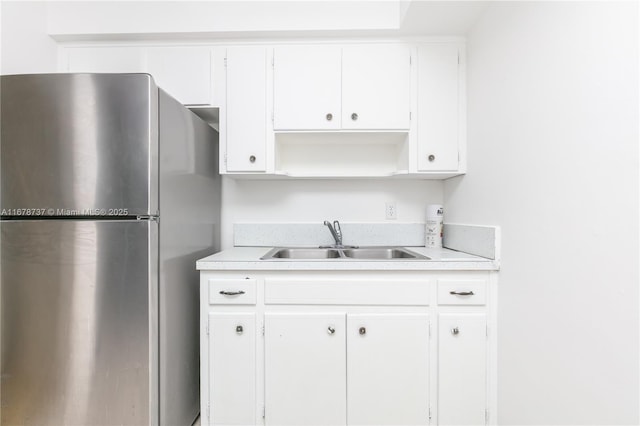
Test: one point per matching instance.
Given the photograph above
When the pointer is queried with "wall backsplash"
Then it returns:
(283, 201)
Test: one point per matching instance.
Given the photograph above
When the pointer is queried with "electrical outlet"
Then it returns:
(390, 211)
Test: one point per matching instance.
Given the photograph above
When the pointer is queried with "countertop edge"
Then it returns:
(248, 258)
(348, 266)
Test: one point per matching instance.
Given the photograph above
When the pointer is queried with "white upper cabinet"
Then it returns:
(376, 90)
(106, 59)
(245, 117)
(333, 87)
(394, 109)
(183, 72)
(438, 108)
(307, 88)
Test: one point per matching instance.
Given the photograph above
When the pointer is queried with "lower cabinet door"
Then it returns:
(388, 369)
(462, 371)
(305, 369)
(232, 369)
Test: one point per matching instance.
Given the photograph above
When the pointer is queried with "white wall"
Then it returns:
(553, 159)
(295, 201)
(25, 47)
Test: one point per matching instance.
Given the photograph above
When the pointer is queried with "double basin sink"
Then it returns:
(345, 253)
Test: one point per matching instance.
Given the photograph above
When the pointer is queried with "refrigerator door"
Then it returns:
(79, 144)
(79, 322)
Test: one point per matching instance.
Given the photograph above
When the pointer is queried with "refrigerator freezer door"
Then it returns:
(79, 144)
(78, 321)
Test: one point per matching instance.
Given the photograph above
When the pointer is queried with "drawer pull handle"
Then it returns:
(331, 330)
(231, 293)
(455, 330)
(239, 329)
(462, 293)
(362, 331)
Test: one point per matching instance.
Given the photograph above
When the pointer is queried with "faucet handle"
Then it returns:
(336, 233)
(336, 226)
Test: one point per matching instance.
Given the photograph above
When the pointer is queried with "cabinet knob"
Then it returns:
(362, 331)
(354, 116)
(431, 157)
(455, 331)
(252, 159)
(329, 117)
(331, 330)
(239, 329)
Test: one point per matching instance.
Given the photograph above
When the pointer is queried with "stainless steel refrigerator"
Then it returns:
(109, 193)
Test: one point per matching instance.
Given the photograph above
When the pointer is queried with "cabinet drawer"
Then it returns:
(236, 291)
(347, 292)
(462, 292)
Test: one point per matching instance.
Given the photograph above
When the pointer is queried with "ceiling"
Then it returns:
(440, 17)
(104, 20)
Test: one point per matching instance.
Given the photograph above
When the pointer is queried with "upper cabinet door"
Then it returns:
(106, 59)
(306, 92)
(376, 87)
(183, 72)
(438, 107)
(246, 114)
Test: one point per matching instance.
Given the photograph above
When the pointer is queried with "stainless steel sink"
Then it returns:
(361, 253)
(301, 253)
(382, 253)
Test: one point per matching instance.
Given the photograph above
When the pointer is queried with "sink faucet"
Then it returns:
(335, 231)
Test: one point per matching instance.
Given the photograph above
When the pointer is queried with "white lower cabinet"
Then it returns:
(305, 369)
(299, 349)
(462, 372)
(387, 369)
(232, 369)
(384, 357)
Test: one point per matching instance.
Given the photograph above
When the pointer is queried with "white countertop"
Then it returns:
(248, 258)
